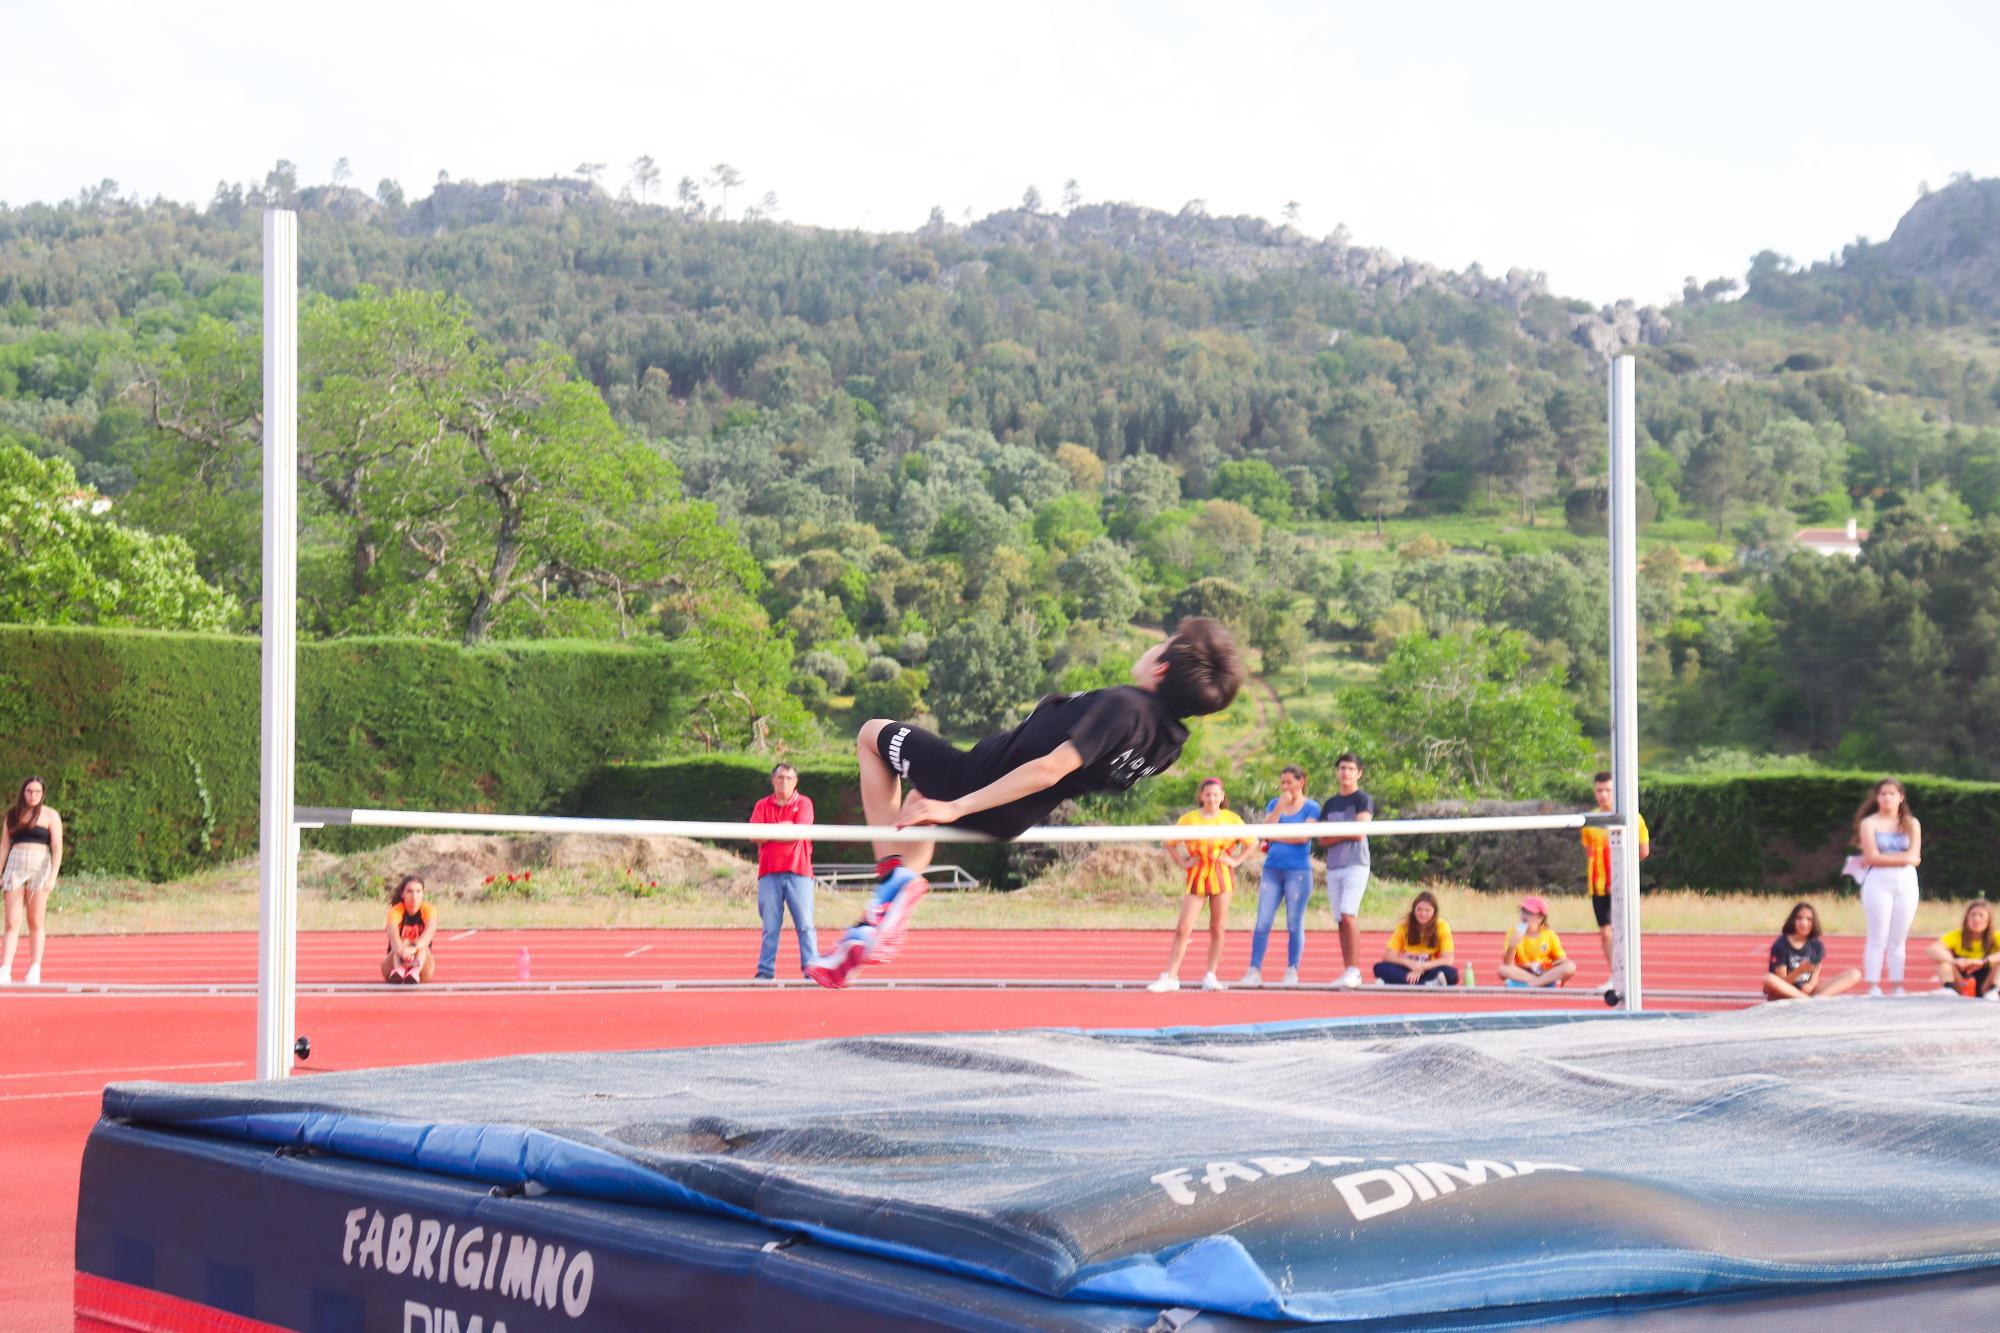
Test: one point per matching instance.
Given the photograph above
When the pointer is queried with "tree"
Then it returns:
(1031, 200)
(1072, 194)
(1456, 715)
(388, 193)
(68, 562)
(1526, 450)
(724, 178)
(1376, 439)
(342, 172)
(1100, 583)
(1718, 477)
(281, 183)
(590, 171)
(981, 672)
(688, 195)
(1256, 485)
(645, 177)
(1218, 599)
(1292, 212)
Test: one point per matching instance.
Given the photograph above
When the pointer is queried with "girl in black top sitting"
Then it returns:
(1798, 961)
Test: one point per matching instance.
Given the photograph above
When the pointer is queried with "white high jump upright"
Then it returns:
(1624, 521)
(278, 835)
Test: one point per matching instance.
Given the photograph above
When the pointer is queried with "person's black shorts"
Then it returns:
(940, 770)
(1600, 903)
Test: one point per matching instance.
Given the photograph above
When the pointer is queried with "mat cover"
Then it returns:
(1323, 1171)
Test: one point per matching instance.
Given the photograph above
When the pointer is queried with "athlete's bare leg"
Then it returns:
(882, 799)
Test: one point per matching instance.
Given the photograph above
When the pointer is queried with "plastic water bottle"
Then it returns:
(521, 966)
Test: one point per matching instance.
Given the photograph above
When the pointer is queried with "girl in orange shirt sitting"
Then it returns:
(412, 926)
(1533, 955)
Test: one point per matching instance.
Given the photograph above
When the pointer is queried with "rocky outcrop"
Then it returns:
(455, 204)
(1950, 238)
(1247, 247)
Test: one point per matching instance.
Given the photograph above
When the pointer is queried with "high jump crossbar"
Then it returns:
(457, 822)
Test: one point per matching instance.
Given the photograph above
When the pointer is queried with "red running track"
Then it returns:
(62, 1048)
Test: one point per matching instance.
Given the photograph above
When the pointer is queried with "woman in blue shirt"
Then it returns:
(1287, 877)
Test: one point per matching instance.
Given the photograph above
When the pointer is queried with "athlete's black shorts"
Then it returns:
(940, 770)
(1600, 903)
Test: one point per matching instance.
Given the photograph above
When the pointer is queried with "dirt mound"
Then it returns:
(459, 865)
(1111, 872)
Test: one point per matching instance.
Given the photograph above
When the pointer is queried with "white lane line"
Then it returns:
(462, 935)
(636, 952)
(130, 1069)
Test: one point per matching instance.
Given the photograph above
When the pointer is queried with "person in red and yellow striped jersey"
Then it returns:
(1597, 856)
(1210, 864)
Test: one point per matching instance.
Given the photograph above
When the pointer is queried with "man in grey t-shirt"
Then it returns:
(1347, 860)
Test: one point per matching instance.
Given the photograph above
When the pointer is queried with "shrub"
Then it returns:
(150, 741)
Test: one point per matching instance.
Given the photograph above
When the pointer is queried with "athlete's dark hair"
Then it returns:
(1601, 775)
(21, 813)
(1416, 936)
(1791, 918)
(1349, 757)
(783, 768)
(1964, 925)
(396, 894)
(1294, 770)
(1204, 668)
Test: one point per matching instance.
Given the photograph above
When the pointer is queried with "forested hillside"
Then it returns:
(949, 469)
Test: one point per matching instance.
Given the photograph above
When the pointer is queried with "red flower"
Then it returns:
(527, 875)
(652, 884)
(489, 879)
(510, 879)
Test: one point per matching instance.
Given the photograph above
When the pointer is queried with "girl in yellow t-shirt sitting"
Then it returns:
(1211, 875)
(1965, 956)
(1420, 948)
(1534, 955)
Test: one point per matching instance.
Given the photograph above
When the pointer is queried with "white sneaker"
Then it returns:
(1163, 984)
(1991, 995)
(1875, 991)
(1209, 982)
(6, 979)
(1254, 977)
(1350, 979)
(1899, 992)
(34, 977)
(1291, 977)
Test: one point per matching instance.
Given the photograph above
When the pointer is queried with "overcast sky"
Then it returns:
(1617, 148)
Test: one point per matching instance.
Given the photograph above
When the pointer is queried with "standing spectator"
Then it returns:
(1798, 960)
(1964, 957)
(412, 928)
(1892, 847)
(1211, 876)
(1533, 954)
(1347, 860)
(1419, 951)
(1287, 877)
(31, 852)
(1597, 854)
(784, 873)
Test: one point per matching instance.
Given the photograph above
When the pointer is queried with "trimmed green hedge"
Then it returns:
(724, 787)
(149, 741)
(1788, 832)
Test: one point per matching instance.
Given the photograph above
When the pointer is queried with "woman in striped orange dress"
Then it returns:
(1211, 876)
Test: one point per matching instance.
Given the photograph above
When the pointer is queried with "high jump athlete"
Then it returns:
(1097, 741)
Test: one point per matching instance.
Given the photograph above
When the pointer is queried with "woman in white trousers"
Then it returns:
(1892, 845)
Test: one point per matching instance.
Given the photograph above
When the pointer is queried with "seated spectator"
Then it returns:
(412, 926)
(1798, 959)
(1419, 951)
(1965, 956)
(1533, 954)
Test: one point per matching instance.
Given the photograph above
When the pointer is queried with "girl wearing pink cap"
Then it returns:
(1533, 954)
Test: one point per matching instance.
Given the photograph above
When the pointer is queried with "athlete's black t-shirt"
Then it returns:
(1124, 733)
(1785, 955)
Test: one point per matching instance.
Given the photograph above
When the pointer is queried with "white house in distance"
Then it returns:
(1833, 541)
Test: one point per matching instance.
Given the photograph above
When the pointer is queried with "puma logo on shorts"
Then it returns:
(895, 755)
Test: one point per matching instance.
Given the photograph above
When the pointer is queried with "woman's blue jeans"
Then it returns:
(1292, 887)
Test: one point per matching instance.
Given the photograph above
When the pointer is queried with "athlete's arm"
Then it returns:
(1031, 777)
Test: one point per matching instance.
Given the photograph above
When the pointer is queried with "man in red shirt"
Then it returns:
(784, 872)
